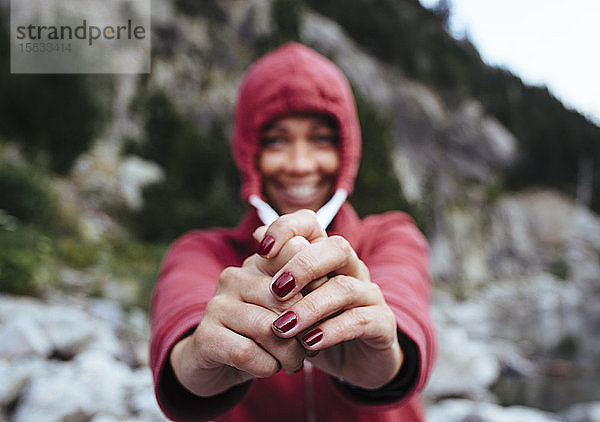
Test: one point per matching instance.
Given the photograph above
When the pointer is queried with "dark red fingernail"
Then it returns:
(313, 337)
(284, 284)
(286, 322)
(266, 245)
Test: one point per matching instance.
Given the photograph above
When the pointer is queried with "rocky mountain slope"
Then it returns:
(516, 274)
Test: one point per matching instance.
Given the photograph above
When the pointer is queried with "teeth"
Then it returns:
(301, 191)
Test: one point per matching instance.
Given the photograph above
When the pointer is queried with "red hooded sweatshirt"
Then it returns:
(288, 80)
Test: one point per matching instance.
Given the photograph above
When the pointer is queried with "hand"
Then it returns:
(234, 342)
(345, 318)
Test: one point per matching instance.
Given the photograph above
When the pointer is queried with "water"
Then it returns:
(549, 393)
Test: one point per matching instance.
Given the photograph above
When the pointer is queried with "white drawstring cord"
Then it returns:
(324, 216)
(266, 214)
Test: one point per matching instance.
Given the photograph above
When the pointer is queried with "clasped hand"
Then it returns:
(308, 296)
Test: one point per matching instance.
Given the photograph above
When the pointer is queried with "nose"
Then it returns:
(301, 157)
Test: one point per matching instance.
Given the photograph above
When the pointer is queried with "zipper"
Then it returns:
(311, 415)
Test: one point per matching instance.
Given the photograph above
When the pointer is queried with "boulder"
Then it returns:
(76, 361)
(584, 412)
(457, 410)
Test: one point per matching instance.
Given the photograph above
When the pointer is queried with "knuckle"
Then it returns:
(306, 213)
(269, 370)
(296, 244)
(242, 355)
(228, 275)
(309, 305)
(286, 220)
(291, 356)
(346, 285)
(295, 220)
(253, 261)
(218, 311)
(216, 303)
(374, 289)
(361, 318)
(306, 265)
(263, 333)
(375, 294)
(287, 352)
(343, 246)
(293, 366)
(364, 271)
(247, 261)
(341, 243)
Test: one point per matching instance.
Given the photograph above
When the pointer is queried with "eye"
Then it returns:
(272, 142)
(324, 140)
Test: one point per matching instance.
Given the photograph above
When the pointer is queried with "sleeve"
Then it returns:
(187, 280)
(397, 255)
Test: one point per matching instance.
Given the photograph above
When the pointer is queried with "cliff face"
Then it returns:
(515, 274)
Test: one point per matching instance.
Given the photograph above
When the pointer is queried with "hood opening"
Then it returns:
(293, 79)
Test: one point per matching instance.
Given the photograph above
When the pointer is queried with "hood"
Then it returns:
(293, 79)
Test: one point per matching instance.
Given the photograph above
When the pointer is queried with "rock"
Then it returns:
(142, 401)
(133, 175)
(585, 412)
(27, 338)
(532, 328)
(94, 384)
(535, 312)
(471, 411)
(70, 330)
(475, 145)
(15, 376)
(39, 329)
(106, 310)
(522, 269)
(465, 368)
(70, 361)
(251, 19)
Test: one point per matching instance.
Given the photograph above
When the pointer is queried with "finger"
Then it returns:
(333, 255)
(367, 334)
(254, 322)
(294, 245)
(226, 347)
(313, 285)
(339, 294)
(364, 323)
(300, 223)
(259, 233)
(256, 290)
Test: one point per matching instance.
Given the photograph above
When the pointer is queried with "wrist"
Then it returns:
(178, 361)
(200, 379)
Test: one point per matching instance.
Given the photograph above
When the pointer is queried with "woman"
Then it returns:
(311, 315)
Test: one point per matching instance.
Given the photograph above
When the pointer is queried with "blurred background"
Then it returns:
(99, 173)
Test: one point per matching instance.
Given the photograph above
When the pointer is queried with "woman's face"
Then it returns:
(298, 160)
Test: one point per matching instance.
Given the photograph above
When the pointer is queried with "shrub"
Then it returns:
(201, 184)
(49, 114)
(21, 252)
(76, 253)
(377, 188)
(138, 262)
(554, 141)
(208, 8)
(24, 196)
(286, 20)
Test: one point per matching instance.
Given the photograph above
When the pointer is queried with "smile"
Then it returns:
(302, 191)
